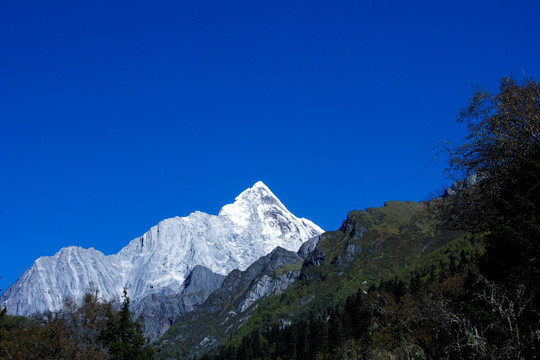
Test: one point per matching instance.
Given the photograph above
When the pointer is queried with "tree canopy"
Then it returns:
(502, 128)
(89, 330)
(123, 336)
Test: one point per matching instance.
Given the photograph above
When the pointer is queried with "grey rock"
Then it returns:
(458, 186)
(308, 247)
(159, 312)
(315, 257)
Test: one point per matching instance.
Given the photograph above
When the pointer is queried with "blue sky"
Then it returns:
(116, 115)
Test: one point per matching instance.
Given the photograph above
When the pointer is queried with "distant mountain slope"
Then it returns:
(369, 246)
(159, 261)
(160, 311)
(230, 306)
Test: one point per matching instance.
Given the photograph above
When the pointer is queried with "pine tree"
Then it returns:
(124, 336)
(318, 336)
(336, 333)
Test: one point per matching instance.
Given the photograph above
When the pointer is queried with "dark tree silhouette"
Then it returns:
(124, 336)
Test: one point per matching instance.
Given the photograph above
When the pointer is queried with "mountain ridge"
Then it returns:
(159, 260)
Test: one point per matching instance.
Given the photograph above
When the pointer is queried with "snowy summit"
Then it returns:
(159, 261)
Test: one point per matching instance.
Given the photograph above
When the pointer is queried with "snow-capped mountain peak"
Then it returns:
(249, 201)
(159, 261)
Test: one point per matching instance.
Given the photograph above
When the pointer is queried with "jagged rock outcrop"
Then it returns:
(458, 186)
(308, 247)
(159, 261)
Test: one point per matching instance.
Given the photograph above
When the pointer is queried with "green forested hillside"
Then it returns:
(337, 314)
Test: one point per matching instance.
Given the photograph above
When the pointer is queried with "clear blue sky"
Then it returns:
(117, 114)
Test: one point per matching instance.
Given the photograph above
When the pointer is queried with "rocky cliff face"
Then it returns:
(308, 247)
(160, 261)
(159, 312)
(227, 308)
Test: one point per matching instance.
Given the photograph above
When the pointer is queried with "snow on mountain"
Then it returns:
(159, 261)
